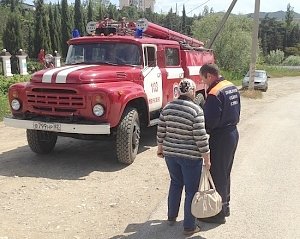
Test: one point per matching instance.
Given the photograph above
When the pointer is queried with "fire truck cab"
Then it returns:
(114, 82)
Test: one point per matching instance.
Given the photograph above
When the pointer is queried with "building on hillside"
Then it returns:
(140, 4)
(27, 7)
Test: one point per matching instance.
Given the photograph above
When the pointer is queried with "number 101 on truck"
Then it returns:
(115, 82)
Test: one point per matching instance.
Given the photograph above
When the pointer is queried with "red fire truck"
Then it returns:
(114, 82)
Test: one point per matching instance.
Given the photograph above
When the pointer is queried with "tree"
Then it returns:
(90, 15)
(112, 12)
(12, 36)
(172, 21)
(232, 45)
(289, 16)
(205, 11)
(272, 34)
(78, 17)
(12, 39)
(41, 36)
(65, 26)
(57, 27)
(14, 5)
(101, 12)
(52, 29)
(183, 21)
(51, 26)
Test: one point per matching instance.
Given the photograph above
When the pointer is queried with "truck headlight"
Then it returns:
(15, 104)
(98, 110)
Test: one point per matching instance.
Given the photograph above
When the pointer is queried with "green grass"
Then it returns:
(273, 72)
(277, 71)
(4, 106)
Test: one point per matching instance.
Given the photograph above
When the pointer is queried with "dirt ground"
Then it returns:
(80, 191)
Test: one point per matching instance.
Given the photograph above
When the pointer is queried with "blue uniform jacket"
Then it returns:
(222, 107)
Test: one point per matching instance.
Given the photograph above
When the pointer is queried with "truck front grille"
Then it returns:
(55, 100)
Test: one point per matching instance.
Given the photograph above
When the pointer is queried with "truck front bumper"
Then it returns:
(58, 127)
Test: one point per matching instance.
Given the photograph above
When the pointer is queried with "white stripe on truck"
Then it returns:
(48, 75)
(61, 77)
(175, 73)
(194, 70)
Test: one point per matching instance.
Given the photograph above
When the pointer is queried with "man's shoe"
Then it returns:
(189, 232)
(171, 221)
(227, 212)
(218, 219)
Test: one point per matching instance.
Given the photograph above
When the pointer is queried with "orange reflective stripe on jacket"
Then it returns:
(221, 85)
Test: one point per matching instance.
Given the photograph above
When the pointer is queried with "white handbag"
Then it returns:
(207, 202)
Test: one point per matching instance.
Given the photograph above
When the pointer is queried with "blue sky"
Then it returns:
(242, 6)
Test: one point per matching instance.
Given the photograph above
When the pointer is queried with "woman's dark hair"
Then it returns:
(209, 68)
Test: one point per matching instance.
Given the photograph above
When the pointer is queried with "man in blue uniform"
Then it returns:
(222, 114)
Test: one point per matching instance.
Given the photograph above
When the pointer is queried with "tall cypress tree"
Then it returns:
(289, 16)
(101, 12)
(12, 39)
(78, 17)
(12, 36)
(51, 27)
(57, 29)
(65, 27)
(41, 31)
(183, 21)
(90, 14)
(30, 40)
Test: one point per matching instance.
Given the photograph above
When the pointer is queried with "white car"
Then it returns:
(260, 80)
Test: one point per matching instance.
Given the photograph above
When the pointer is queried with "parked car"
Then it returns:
(260, 80)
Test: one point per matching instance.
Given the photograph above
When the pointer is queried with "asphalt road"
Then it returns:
(79, 192)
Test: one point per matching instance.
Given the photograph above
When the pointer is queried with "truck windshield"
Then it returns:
(104, 53)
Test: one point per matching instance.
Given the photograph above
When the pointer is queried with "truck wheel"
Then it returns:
(199, 100)
(128, 136)
(41, 142)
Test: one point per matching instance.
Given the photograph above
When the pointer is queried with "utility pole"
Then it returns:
(221, 24)
(254, 45)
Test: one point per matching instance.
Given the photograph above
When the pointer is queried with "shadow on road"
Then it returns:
(71, 159)
(155, 229)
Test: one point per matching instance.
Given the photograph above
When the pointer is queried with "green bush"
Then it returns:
(232, 76)
(6, 82)
(33, 66)
(292, 61)
(275, 57)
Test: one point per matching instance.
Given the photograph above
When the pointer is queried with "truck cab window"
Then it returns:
(150, 56)
(172, 57)
(97, 53)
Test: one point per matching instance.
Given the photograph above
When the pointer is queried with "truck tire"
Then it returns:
(128, 136)
(41, 142)
(199, 100)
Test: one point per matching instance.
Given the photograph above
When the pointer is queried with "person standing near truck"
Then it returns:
(222, 114)
(182, 140)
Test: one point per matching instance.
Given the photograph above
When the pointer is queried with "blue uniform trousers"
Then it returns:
(222, 149)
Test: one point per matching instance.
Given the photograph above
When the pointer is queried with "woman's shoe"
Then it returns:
(189, 232)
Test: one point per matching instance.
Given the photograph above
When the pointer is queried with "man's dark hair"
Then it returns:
(209, 68)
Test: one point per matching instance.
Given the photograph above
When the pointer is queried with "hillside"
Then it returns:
(279, 15)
